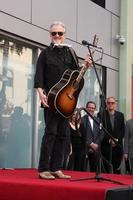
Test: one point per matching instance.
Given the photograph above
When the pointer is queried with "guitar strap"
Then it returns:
(74, 56)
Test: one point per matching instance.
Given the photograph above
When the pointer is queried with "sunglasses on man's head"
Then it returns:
(55, 33)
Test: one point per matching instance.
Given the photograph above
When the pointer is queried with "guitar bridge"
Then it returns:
(70, 96)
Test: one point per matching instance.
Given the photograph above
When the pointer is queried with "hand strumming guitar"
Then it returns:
(88, 61)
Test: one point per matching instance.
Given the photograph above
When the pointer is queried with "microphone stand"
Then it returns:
(102, 96)
(98, 176)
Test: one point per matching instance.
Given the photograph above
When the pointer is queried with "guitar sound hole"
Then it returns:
(75, 85)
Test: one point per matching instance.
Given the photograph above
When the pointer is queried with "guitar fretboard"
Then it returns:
(84, 67)
(81, 74)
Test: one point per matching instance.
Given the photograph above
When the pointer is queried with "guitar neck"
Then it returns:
(84, 68)
(81, 73)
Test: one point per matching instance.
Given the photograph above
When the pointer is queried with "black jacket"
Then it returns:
(51, 64)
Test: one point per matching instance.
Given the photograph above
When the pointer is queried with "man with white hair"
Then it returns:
(112, 149)
(52, 63)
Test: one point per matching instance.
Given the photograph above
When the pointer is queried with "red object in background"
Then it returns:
(132, 98)
(20, 184)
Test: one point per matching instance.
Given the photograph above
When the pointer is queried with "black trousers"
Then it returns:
(77, 158)
(114, 157)
(53, 141)
(93, 161)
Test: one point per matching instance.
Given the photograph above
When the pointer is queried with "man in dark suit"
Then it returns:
(113, 121)
(93, 137)
(128, 146)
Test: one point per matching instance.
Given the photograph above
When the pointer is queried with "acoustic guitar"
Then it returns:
(63, 96)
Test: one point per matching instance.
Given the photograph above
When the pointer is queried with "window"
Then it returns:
(17, 60)
(91, 90)
(21, 118)
(100, 2)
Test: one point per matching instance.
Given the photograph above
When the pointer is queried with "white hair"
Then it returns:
(57, 23)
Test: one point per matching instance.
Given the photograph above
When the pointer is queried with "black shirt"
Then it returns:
(51, 64)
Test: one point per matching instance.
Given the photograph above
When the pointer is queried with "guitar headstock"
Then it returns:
(95, 42)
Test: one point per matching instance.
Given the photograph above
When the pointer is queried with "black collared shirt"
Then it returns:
(51, 64)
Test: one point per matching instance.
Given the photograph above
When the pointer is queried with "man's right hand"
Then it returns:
(43, 97)
(94, 146)
(125, 156)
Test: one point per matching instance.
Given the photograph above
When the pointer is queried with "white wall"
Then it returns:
(31, 19)
(113, 6)
(17, 8)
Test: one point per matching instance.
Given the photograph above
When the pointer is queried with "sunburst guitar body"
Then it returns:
(63, 96)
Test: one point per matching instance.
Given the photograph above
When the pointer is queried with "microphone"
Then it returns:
(84, 42)
(61, 45)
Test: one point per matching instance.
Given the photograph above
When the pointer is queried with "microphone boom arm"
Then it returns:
(85, 43)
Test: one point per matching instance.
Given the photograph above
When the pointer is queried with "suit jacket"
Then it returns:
(117, 132)
(94, 135)
(128, 139)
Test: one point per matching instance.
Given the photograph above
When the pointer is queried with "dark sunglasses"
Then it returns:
(110, 102)
(55, 33)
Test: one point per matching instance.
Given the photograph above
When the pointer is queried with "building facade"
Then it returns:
(24, 31)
